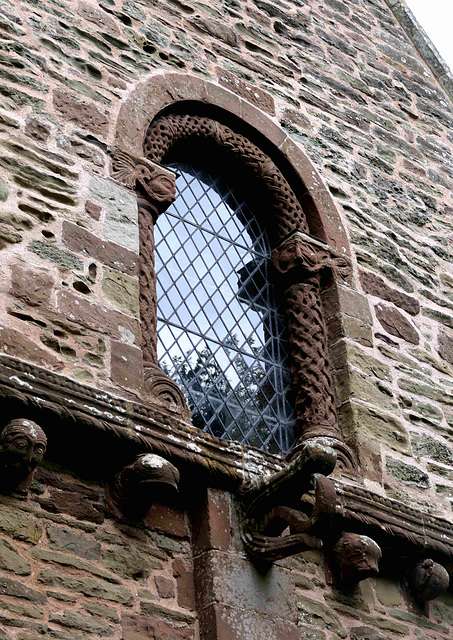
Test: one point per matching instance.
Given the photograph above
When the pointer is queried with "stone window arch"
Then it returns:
(300, 260)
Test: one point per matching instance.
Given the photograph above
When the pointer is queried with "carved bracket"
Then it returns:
(157, 182)
(272, 504)
(302, 252)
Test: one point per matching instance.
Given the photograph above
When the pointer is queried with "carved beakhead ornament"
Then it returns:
(147, 479)
(22, 447)
(356, 558)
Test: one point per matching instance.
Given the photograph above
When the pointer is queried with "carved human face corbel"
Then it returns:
(22, 447)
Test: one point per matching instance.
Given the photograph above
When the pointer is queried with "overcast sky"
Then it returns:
(436, 18)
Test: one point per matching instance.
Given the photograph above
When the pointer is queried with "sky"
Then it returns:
(436, 18)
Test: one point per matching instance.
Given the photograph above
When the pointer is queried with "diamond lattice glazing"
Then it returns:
(220, 332)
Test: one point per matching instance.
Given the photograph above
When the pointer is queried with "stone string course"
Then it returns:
(346, 83)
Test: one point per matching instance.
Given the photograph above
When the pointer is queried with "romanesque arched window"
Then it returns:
(220, 329)
(253, 206)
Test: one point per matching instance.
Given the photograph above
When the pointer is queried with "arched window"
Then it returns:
(219, 324)
(220, 329)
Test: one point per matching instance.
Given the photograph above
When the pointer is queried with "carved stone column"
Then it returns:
(300, 261)
(156, 190)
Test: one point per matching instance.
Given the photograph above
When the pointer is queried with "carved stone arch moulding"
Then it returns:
(153, 122)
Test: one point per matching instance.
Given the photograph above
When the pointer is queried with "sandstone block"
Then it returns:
(12, 561)
(82, 113)
(64, 539)
(32, 287)
(396, 324)
(108, 253)
(86, 586)
(122, 291)
(13, 588)
(129, 562)
(376, 286)
(126, 365)
(136, 627)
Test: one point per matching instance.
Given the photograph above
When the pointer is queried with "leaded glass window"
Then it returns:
(220, 333)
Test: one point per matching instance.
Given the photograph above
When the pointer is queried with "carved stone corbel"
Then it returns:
(272, 504)
(157, 182)
(355, 558)
(22, 447)
(148, 478)
(428, 580)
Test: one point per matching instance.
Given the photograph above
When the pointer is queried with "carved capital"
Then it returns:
(162, 390)
(300, 252)
(157, 182)
(273, 504)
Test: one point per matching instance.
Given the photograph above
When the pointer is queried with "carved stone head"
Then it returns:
(428, 580)
(357, 558)
(22, 447)
(149, 478)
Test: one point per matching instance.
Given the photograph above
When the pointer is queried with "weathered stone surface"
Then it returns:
(388, 592)
(340, 299)
(121, 212)
(167, 519)
(373, 425)
(87, 586)
(165, 587)
(3, 191)
(183, 572)
(82, 113)
(376, 286)
(75, 620)
(102, 611)
(13, 588)
(396, 324)
(126, 364)
(64, 539)
(73, 504)
(158, 611)
(427, 447)
(213, 525)
(136, 627)
(32, 287)
(37, 129)
(320, 615)
(54, 254)
(74, 563)
(230, 579)
(250, 92)
(407, 473)
(19, 525)
(122, 291)
(367, 633)
(98, 318)
(108, 253)
(12, 561)
(129, 562)
(445, 348)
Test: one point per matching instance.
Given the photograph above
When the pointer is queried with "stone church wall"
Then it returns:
(345, 83)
